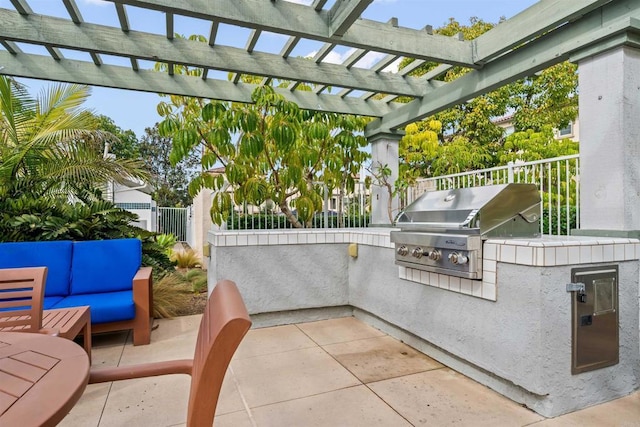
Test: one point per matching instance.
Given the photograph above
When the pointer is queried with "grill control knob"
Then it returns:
(458, 258)
(403, 250)
(417, 252)
(434, 255)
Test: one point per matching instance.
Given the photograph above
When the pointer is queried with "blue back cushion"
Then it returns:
(55, 255)
(100, 266)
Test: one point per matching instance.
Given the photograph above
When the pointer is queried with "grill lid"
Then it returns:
(492, 211)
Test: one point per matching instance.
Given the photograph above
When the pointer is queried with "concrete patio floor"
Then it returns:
(338, 372)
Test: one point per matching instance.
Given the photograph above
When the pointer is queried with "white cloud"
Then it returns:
(332, 57)
(96, 2)
(367, 61)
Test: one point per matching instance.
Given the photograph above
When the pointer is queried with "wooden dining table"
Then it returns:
(41, 378)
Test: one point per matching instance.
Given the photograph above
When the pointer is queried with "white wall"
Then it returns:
(137, 202)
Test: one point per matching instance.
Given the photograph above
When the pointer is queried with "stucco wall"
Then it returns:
(519, 345)
(281, 278)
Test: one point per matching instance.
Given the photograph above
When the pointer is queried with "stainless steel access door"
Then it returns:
(595, 339)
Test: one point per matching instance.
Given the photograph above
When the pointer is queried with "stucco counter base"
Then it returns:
(510, 331)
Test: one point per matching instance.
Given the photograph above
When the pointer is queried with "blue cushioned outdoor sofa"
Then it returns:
(103, 274)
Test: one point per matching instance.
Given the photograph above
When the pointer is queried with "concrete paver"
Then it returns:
(325, 373)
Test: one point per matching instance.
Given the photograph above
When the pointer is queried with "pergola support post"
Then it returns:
(609, 111)
(384, 156)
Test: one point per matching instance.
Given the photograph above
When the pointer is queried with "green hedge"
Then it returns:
(567, 222)
(274, 222)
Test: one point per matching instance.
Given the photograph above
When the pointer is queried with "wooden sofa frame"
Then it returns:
(143, 299)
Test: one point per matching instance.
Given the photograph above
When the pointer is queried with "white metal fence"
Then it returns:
(558, 180)
(174, 221)
(339, 210)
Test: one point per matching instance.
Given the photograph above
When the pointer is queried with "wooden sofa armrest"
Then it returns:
(143, 300)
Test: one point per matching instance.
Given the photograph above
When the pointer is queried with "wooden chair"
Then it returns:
(223, 325)
(21, 297)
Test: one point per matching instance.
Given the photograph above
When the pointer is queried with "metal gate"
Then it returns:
(174, 221)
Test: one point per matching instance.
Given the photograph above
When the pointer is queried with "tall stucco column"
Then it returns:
(384, 154)
(201, 223)
(609, 113)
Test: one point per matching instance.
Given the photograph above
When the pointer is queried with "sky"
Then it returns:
(137, 110)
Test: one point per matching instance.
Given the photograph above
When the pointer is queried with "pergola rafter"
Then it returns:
(304, 21)
(93, 38)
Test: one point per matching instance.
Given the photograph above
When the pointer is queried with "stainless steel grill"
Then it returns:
(444, 231)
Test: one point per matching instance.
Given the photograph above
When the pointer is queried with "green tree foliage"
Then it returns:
(418, 148)
(530, 145)
(468, 137)
(124, 145)
(271, 150)
(51, 145)
(169, 180)
(548, 98)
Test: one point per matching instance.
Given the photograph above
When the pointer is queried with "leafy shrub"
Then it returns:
(568, 220)
(170, 294)
(186, 258)
(166, 242)
(24, 217)
(197, 278)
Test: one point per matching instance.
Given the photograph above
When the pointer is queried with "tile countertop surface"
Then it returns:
(366, 236)
(550, 251)
(546, 251)
(541, 251)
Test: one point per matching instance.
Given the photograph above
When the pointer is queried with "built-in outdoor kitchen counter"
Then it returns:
(530, 341)
(510, 330)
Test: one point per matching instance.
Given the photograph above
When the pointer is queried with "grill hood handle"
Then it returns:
(531, 214)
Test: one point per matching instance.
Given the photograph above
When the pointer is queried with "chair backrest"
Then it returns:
(224, 323)
(21, 296)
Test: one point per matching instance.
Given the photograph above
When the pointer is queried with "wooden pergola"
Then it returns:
(549, 32)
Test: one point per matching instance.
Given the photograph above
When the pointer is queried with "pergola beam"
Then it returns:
(74, 12)
(82, 72)
(289, 46)
(10, 46)
(54, 52)
(343, 14)
(169, 30)
(22, 7)
(305, 22)
(541, 17)
(213, 32)
(46, 30)
(318, 4)
(122, 17)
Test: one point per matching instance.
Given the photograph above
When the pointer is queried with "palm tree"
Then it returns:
(50, 146)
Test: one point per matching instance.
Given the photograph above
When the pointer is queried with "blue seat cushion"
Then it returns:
(55, 255)
(104, 265)
(49, 302)
(105, 307)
